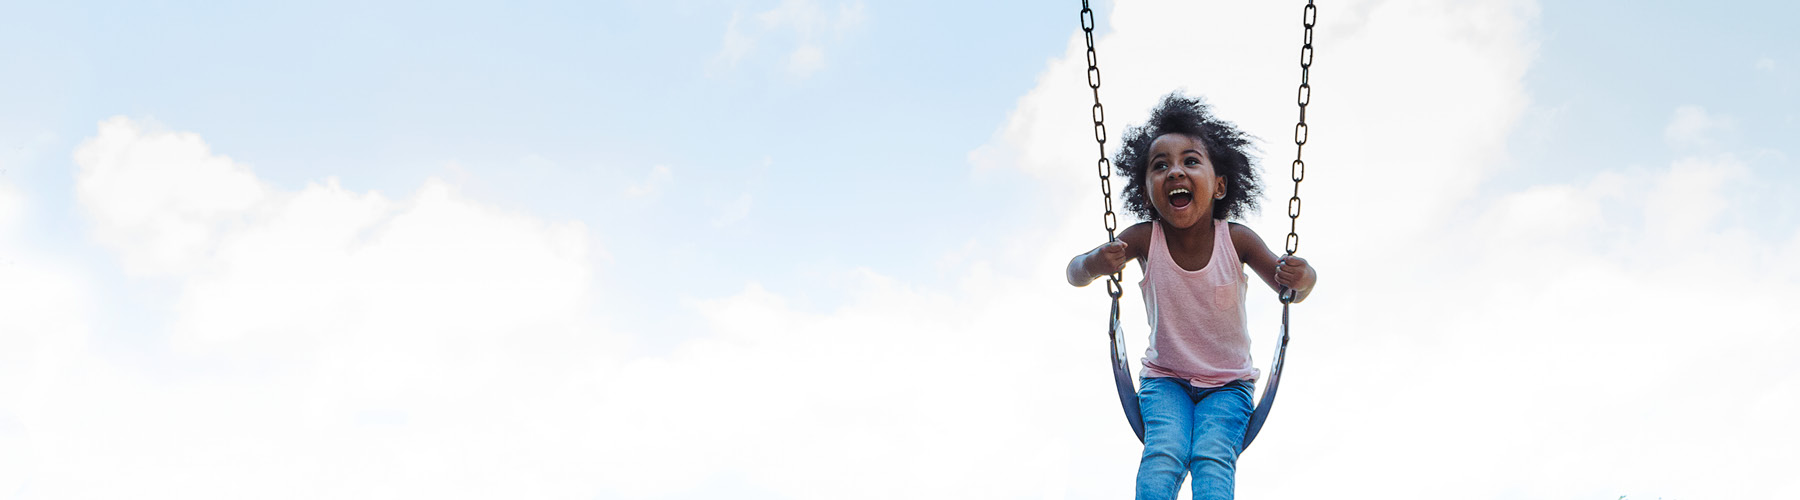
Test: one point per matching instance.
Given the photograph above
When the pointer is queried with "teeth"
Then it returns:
(1176, 191)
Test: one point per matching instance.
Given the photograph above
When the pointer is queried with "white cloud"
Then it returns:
(427, 345)
(12, 207)
(804, 24)
(1692, 126)
(1765, 63)
(44, 322)
(806, 60)
(45, 311)
(338, 343)
(736, 210)
(160, 198)
(659, 178)
(736, 43)
(1633, 313)
(952, 392)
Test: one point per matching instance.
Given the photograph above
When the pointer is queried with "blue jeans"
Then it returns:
(1188, 429)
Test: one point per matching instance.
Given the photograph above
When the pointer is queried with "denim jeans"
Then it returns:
(1191, 430)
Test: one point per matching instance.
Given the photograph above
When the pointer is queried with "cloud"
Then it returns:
(159, 198)
(653, 185)
(804, 24)
(1692, 126)
(319, 333)
(1626, 285)
(45, 311)
(12, 207)
(331, 342)
(806, 60)
(336, 343)
(942, 387)
(736, 210)
(45, 316)
(736, 43)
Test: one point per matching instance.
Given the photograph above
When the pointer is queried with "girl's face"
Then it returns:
(1182, 184)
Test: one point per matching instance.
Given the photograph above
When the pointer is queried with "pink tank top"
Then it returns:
(1196, 318)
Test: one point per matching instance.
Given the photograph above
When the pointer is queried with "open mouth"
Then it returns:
(1180, 197)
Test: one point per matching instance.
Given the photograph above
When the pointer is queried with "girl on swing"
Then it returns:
(1187, 174)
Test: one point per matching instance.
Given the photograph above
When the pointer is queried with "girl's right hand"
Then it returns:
(1107, 259)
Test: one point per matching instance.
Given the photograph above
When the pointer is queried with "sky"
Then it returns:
(813, 249)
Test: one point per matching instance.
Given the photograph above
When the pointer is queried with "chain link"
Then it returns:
(1098, 114)
(1297, 171)
(1302, 97)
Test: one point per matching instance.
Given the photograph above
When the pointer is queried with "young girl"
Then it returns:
(1187, 173)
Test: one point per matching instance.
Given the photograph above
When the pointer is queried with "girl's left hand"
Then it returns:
(1290, 271)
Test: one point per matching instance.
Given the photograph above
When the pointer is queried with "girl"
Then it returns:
(1187, 173)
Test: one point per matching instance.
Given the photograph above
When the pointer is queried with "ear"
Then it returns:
(1219, 187)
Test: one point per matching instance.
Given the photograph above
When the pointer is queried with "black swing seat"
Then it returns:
(1128, 398)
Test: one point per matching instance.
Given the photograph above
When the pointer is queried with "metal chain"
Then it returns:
(1303, 96)
(1098, 113)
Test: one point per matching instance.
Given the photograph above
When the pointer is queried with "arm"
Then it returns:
(1110, 257)
(1289, 271)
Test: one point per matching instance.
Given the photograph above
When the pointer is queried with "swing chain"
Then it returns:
(1303, 96)
(1104, 166)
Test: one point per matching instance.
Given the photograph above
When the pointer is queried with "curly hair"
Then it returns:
(1226, 147)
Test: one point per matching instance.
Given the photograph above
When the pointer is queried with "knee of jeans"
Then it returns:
(1168, 447)
(1218, 451)
(1174, 449)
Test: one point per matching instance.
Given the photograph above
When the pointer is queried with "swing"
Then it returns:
(1120, 366)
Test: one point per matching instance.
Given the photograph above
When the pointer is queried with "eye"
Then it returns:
(1159, 165)
(1191, 161)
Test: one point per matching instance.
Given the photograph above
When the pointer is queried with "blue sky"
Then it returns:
(515, 222)
(544, 106)
(1611, 69)
(553, 108)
